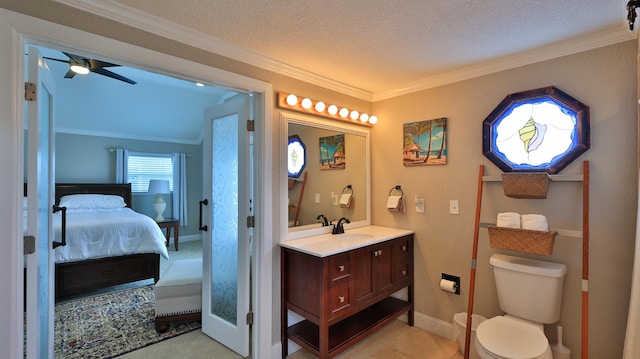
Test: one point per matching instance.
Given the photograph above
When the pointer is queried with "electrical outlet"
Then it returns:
(454, 206)
(317, 197)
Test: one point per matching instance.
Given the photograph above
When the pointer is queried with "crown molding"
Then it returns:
(132, 17)
(128, 136)
(575, 45)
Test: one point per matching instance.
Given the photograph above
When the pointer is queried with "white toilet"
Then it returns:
(530, 292)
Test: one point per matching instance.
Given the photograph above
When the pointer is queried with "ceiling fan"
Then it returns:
(83, 65)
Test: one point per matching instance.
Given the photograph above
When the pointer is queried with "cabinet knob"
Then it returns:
(341, 298)
(404, 272)
(404, 248)
(377, 253)
(341, 268)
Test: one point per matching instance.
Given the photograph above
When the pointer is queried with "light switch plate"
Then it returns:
(317, 197)
(419, 201)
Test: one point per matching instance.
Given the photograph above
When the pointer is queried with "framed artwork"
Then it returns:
(424, 142)
(332, 154)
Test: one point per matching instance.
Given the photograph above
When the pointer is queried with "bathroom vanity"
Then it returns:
(341, 285)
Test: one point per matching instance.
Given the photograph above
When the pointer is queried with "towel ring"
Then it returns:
(397, 188)
(347, 187)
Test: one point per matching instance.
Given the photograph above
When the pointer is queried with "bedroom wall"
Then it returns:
(605, 80)
(95, 163)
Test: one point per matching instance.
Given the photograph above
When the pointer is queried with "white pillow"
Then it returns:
(102, 201)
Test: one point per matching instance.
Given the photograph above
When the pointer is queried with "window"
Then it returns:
(142, 167)
(538, 130)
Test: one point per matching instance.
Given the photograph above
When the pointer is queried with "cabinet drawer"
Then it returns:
(339, 299)
(401, 247)
(339, 268)
(402, 273)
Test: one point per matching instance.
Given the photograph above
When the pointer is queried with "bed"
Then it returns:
(105, 246)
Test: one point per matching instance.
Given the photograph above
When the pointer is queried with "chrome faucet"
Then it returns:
(324, 222)
(339, 227)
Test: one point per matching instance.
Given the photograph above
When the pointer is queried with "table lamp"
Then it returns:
(159, 187)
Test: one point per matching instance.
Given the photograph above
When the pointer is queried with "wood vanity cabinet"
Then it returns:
(346, 296)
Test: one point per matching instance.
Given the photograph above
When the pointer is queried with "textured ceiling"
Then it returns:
(389, 44)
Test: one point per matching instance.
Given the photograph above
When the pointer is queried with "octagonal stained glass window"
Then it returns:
(296, 156)
(540, 130)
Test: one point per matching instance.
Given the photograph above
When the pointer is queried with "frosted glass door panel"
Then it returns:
(224, 219)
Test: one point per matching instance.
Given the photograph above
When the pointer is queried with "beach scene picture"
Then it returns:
(424, 142)
(332, 155)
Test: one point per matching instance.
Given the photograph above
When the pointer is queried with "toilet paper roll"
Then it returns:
(448, 285)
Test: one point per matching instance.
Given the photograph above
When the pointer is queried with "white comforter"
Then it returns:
(96, 233)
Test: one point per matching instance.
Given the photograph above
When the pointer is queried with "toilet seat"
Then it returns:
(506, 337)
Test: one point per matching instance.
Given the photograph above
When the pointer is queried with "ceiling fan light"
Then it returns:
(79, 68)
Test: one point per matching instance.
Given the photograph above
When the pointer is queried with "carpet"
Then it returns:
(111, 324)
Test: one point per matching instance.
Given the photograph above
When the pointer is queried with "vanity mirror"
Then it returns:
(318, 190)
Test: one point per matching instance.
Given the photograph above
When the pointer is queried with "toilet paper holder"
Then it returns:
(454, 279)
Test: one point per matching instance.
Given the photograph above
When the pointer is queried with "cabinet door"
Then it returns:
(373, 272)
(363, 284)
(384, 278)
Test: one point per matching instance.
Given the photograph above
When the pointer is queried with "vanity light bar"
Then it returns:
(319, 108)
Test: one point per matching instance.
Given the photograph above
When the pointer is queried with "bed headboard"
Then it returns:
(120, 189)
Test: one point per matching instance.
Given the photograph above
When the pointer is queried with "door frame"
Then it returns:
(20, 30)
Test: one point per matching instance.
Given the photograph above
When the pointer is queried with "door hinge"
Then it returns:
(251, 221)
(30, 91)
(29, 244)
(250, 318)
(251, 125)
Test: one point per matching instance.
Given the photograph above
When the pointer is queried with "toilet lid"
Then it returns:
(511, 338)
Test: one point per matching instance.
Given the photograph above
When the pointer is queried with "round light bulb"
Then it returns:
(306, 103)
(292, 100)
(320, 106)
(344, 112)
(79, 69)
(373, 120)
(354, 115)
(333, 109)
(364, 117)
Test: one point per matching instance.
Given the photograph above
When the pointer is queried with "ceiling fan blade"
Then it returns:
(113, 75)
(51, 58)
(94, 64)
(76, 58)
(69, 74)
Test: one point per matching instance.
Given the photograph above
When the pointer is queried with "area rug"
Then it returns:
(111, 324)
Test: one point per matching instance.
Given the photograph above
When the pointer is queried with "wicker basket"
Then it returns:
(522, 240)
(526, 185)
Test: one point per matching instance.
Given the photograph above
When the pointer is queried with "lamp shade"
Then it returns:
(158, 186)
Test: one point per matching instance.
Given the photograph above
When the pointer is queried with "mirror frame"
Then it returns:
(285, 119)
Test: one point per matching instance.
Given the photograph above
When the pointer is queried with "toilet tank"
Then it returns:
(529, 288)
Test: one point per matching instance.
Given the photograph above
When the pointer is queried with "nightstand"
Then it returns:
(168, 223)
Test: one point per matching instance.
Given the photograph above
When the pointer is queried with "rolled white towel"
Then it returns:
(508, 219)
(536, 222)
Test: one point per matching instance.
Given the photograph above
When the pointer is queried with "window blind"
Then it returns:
(144, 167)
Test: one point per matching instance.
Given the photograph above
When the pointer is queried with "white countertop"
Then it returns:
(329, 244)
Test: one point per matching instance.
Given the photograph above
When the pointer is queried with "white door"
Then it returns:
(227, 239)
(40, 182)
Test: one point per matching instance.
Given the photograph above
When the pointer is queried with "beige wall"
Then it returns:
(605, 80)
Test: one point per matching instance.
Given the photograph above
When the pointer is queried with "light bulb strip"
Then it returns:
(321, 108)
